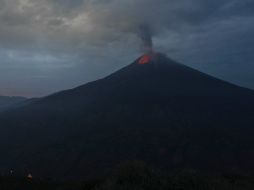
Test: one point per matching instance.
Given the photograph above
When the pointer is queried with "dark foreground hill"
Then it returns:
(162, 112)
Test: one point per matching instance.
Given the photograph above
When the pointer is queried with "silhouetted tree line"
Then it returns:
(137, 176)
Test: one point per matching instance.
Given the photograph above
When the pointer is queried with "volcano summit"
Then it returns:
(155, 110)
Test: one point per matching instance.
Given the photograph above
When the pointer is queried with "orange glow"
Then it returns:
(145, 59)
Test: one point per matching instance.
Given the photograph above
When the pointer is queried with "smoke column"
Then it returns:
(145, 35)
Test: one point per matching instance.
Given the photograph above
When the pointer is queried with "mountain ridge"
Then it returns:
(9, 101)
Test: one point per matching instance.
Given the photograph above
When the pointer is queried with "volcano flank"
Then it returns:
(154, 110)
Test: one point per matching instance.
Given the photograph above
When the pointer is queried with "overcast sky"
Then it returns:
(51, 45)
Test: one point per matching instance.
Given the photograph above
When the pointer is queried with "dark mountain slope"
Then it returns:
(161, 112)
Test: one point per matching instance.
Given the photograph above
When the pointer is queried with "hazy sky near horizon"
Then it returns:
(51, 45)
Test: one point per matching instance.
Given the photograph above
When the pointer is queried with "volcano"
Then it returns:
(154, 110)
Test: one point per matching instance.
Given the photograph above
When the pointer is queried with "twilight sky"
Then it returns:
(51, 45)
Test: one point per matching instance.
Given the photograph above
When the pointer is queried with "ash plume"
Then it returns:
(145, 35)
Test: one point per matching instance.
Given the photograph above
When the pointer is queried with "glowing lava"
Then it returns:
(145, 59)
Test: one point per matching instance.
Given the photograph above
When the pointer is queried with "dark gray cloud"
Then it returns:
(49, 45)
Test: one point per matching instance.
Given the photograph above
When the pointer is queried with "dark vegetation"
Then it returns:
(19, 183)
(137, 176)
